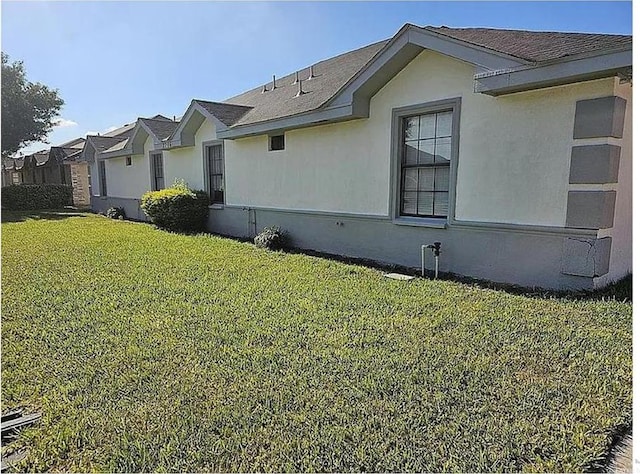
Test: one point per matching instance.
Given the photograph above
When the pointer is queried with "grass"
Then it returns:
(151, 351)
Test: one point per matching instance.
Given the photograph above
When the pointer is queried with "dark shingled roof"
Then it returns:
(123, 132)
(161, 128)
(535, 46)
(41, 157)
(102, 142)
(228, 114)
(331, 74)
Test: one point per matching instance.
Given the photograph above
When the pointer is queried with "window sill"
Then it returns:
(421, 222)
(216, 206)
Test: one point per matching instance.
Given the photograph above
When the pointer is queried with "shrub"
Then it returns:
(177, 208)
(272, 238)
(116, 213)
(36, 196)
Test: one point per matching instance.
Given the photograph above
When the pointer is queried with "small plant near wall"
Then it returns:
(272, 238)
(177, 208)
(116, 213)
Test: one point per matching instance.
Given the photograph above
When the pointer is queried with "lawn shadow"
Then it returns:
(621, 290)
(45, 214)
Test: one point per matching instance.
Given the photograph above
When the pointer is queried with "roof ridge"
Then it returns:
(223, 103)
(159, 120)
(516, 30)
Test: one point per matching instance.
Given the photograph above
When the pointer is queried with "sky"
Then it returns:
(115, 61)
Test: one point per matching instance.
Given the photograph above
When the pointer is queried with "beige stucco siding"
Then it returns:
(513, 161)
(621, 244)
(129, 181)
(188, 163)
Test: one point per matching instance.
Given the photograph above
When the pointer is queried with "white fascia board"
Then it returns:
(553, 74)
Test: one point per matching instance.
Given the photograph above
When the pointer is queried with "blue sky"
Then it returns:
(115, 61)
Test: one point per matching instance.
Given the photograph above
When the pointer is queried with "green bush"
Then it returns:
(272, 238)
(177, 208)
(36, 196)
(116, 213)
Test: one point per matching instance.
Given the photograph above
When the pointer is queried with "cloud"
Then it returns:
(92, 132)
(63, 122)
(110, 129)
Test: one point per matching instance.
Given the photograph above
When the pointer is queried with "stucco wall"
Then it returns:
(94, 180)
(621, 245)
(188, 163)
(513, 161)
(129, 181)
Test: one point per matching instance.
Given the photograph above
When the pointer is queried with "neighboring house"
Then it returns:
(56, 165)
(128, 162)
(512, 148)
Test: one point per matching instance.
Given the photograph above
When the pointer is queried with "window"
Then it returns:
(276, 142)
(15, 178)
(103, 178)
(157, 171)
(215, 167)
(127, 161)
(425, 162)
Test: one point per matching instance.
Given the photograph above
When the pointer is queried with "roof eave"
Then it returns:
(556, 73)
(352, 100)
(176, 140)
(309, 119)
(116, 153)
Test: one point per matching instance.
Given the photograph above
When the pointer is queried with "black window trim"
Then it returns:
(275, 135)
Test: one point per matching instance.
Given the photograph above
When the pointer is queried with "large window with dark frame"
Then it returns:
(215, 165)
(425, 164)
(158, 171)
(103, 178)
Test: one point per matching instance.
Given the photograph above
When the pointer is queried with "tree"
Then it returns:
(28, 109)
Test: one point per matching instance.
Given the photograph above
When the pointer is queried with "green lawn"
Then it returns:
(151, 351)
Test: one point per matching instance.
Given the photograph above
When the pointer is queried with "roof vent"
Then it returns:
(264, 89)
(274, 83)
(311, 74)
(297, 79)
(300, 91)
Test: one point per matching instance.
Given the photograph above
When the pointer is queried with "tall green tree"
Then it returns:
(29, 109)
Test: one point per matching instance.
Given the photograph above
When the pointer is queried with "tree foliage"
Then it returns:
(28, 109)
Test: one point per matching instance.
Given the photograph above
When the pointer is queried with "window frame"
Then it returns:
(397, 142)
(102, 178)
(207, 178)
(127, 161)
(154, 178)
(284, 141)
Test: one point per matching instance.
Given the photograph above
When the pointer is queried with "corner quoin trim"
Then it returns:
(594, 164)
(599, 118)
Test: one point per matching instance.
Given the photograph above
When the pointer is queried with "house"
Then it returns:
(57, 165)
(511, 148)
